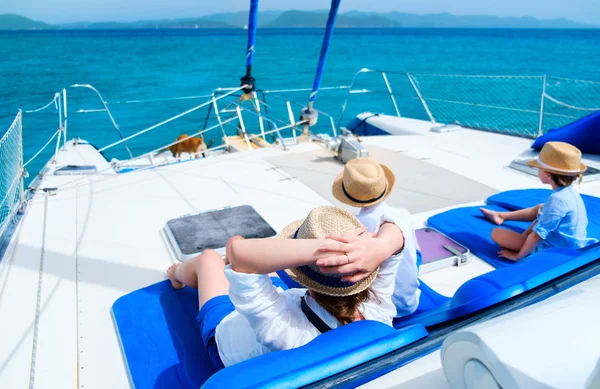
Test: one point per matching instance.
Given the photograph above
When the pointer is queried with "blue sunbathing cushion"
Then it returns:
(502, 284)
(525, 198)
(328, 354)
(162, 346)
(160, 338)
(429, 299)
(468, 227)
(582, 133)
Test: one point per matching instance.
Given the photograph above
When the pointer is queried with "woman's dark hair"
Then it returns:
(343, 307)
(561, 180)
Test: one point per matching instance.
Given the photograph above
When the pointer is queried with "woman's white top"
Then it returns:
(269, 319)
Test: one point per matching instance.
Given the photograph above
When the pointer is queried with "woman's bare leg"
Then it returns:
(508, 239)
(527, 214)
(204, 272)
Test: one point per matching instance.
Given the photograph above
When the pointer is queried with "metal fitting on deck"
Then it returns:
(249, 81)
(309, 115)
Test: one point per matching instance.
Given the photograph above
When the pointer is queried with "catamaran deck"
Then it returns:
(99, 237)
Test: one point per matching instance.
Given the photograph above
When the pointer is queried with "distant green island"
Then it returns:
(304, 19)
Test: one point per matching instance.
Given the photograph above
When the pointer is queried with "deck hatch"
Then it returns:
(190, 235)
(70, 170)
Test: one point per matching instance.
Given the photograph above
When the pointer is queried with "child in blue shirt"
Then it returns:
(561, 221)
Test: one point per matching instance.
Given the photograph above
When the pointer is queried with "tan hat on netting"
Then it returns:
(321, 222)
(559, 158)
(363, 183)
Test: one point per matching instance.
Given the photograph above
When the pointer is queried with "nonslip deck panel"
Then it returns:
(212, 229)
(162, 346)
(420, 186)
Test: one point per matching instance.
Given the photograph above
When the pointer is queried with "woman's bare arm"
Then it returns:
(263, 256)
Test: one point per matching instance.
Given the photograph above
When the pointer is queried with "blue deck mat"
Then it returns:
(502, 284)
(468, 227)
(162, 346)
(525, 198)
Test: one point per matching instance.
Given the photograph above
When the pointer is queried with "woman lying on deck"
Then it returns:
(561, 221)
(243, 314)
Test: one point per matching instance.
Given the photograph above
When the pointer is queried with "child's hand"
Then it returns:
(508, 254)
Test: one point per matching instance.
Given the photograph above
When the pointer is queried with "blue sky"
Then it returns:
(60, 11)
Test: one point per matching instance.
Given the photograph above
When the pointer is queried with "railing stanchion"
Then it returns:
(420, 97)
(333, 126)
(64, 93)
(541, 127)
(216, 109)
(389, 89)
(242, 126)
(260, 118)
(59, 99)
(23, 171)
(123, 139)
(292, 120)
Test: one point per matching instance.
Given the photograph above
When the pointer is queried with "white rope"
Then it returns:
(476, 76)
(90, 110)
(305, 89)
(574, 80)
(45, 106)
(170, 119)
(158, 100)
(568, 105)
(39, 298)
(482, 105)
(67, 184)
(183, 140)
(42, 149)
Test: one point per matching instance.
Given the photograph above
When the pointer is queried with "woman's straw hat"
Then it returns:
(320, 222)
(559, 158)
(363, 183)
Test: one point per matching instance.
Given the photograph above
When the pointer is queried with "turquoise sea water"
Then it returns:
(140, 65)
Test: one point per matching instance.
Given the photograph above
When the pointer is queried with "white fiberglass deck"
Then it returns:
(103, 238)
(512, 345)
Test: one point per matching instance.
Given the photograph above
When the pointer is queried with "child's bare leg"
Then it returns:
(527, 214)
(204, 272)
(508, 239)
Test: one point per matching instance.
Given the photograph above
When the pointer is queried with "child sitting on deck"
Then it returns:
(366, 184)
(561, 221)
(242, 313)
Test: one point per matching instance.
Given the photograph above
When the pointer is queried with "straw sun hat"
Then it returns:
(363, 183)
(320, 222)
(559, 158)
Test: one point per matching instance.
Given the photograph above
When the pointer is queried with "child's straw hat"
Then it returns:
(559, 158)
(363, 183)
